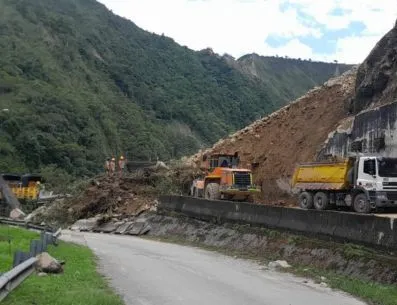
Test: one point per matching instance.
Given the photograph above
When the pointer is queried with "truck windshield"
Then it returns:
(387, 167)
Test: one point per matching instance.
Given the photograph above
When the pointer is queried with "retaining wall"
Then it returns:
(365, 229)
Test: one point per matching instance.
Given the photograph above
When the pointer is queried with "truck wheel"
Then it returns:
(321, 201)
(361, 204)
(306, 200)
(212, 191)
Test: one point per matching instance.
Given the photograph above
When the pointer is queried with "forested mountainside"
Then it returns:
(81, 83)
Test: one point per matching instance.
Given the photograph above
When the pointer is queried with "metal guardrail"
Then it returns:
(24, 224)
(13, 278)
(24, 263)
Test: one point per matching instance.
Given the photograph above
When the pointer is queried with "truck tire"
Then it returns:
(321, 201)
(361, 204)
(306, 200)
(212, 191)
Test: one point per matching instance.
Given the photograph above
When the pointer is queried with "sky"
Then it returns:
(325, 30)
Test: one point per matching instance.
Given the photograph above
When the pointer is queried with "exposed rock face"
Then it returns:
(371, 132)
(376, 81)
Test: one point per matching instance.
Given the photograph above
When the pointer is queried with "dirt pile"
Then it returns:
(119, 198)
(275, 144)
(124, 196)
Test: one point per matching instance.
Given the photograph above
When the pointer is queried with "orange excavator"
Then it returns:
(224, 180)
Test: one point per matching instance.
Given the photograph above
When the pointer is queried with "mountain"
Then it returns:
(287, 78)
(81, 83)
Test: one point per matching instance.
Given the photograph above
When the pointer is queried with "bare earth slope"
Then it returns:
(294, 134)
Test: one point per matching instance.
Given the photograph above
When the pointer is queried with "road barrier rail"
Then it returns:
(24, 262)
(365, 229)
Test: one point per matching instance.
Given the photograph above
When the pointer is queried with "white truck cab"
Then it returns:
(377, 177)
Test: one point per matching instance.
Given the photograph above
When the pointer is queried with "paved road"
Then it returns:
(152, 273)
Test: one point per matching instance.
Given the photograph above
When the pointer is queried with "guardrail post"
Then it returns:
(49, 238)
(18, 258)
(43, 241)
(34, 248)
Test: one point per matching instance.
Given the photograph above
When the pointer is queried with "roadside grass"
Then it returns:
(372, 292)
(12, 239)
(80, 284)
(368, 291)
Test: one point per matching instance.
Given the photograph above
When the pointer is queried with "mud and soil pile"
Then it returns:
(275, 144)
(118, 197)
(124, 196)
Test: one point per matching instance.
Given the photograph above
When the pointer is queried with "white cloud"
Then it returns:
(353, 49)
(238, 27)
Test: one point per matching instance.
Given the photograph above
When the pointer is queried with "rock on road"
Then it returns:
(147, 272)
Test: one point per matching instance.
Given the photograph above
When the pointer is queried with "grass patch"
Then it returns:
(80, 284)
(12, 239)
(375, 293)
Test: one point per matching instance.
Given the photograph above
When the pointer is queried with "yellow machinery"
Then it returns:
(24, 187)
(362, 182)
(224, 180)
(331, 176)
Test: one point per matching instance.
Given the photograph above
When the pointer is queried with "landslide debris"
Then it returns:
(115, 197)
(275, 144)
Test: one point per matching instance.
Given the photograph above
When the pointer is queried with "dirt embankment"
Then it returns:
(259, 243)
(294, 134)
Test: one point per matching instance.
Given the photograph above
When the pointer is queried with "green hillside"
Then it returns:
(288, 78)
(81, 83)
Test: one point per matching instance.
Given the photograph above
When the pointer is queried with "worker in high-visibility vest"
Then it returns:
(107, 166)
(112, 166)
(121, 165)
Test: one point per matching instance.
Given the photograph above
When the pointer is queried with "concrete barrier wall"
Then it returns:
(365, 229)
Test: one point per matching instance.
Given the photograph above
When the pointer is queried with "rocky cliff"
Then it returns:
(373, 129)
(376, 82)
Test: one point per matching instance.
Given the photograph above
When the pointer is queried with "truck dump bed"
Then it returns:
(322, 176)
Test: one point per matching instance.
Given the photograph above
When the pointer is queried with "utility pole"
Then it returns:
(337, 72)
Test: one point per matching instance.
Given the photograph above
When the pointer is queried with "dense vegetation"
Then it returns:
(81, 83)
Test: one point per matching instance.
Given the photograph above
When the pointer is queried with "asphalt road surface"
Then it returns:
(146, 272)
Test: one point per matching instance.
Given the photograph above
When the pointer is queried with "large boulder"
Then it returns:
(17, 214)
(108, 227)
(46, 263)
(84, 225)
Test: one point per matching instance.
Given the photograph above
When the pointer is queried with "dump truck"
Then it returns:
(224, 180)
(362, 183)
